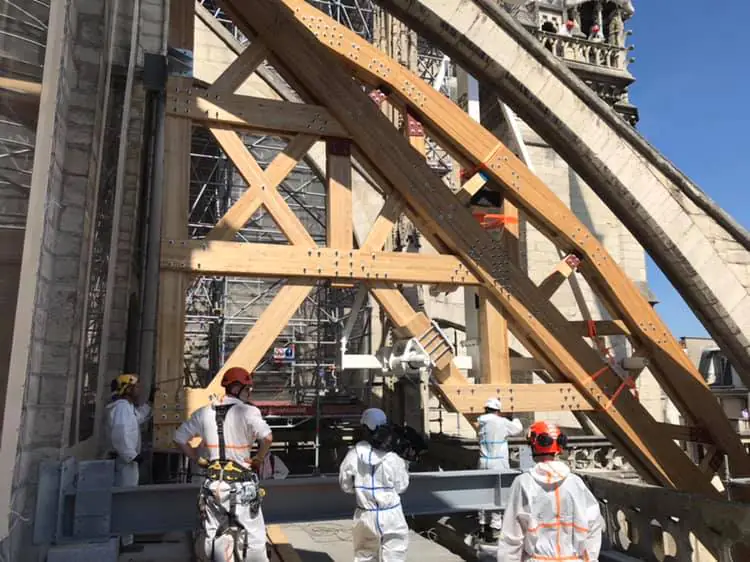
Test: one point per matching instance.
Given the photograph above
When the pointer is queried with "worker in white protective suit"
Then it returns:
(551, 514)
(494, 430)
(230, 496)
(124, 417)
(376, 476)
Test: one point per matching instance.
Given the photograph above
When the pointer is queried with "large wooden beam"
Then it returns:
(410, 323)
(170, 324)
(494, 344)
(258, 340)
(384, 223)
(243, 259)
(21, 86)
(538, 323)
(251, 114)
(239, 71)
(287, 221)
(464, 138)
(258, 181)
(602, 327)
(557, 277)
(339, 190)
(552, 397)
(686, 433)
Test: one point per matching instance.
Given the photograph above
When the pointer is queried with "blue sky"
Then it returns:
(693, 79)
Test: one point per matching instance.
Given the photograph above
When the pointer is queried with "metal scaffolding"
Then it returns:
(23, 36)
(220, 311)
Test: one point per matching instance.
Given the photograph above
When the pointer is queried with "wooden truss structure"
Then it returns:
(330, 68)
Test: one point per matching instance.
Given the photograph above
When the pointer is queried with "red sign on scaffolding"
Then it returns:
(284, 354)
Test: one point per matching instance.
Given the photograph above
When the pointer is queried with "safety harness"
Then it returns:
(221, 469)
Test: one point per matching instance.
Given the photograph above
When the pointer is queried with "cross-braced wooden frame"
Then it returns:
(328, 65)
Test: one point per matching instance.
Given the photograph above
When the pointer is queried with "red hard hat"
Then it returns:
(236, 374)
(546, 438)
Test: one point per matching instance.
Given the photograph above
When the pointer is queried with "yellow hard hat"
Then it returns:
(122, 383)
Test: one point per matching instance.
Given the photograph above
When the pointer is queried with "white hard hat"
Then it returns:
(373, 418)
(494, 404)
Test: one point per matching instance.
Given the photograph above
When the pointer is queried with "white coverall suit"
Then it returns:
(124, 421)
(551, 516)
(494, 431)
(376, 478)
(243, 426)
(273, 468)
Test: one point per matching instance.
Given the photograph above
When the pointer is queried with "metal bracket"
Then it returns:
(180, 62)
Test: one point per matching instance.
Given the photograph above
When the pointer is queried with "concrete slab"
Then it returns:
(331, 541)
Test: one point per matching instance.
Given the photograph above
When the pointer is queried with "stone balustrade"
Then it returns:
(584, 51)
(587, 453)
(656, 524)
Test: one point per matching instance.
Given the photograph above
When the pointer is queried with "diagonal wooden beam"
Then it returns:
(413, 324)
(240, 70)
(424, 226)
(258, 340)
(250, 201)
(557, 277)
(467, 140)
(602, 327)
(384, 223)
(471, 187)
(259, 192)
(538, 322)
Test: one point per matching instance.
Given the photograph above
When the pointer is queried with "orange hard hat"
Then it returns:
(236, 375)
(546, 438)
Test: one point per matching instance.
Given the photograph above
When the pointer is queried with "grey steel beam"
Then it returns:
(173, 507)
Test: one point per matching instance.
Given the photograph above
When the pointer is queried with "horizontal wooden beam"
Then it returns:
(552, 397)
(254, 114)
(275, 260)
